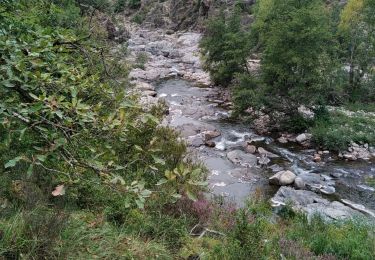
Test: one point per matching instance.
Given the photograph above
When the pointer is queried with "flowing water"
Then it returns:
(193, 110)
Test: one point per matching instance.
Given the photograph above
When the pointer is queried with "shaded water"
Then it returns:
(191, 112)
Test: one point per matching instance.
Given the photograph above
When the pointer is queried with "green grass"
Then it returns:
(337, 132)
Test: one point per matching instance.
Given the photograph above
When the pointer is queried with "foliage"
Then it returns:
(356, 32)
(340, 130)
(119, 6)
(296, 59)
(224, 48)
(140, 60)
(71, 139)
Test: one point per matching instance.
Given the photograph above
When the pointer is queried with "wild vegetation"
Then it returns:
(87, 173)
(312, 53)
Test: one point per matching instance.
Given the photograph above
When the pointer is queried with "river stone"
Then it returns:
(303, 138)
(208, 135)
(263, 160)
(312, 204)
(282, 178)
(264, 152)
(210, 144)
(250, 148)
(242, 158)
(282, 140)
(314, 182)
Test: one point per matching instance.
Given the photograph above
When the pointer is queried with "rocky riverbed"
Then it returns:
(242, 163)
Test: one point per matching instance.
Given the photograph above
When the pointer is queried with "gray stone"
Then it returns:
(208, 135)
(282, 140)
(263, 160)
(282, 178)
(312, 204)
(250, 148)
(242, 158)
(209, 144)
(303, 138)
(264, 152)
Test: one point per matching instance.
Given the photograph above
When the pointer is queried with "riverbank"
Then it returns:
(240, 161)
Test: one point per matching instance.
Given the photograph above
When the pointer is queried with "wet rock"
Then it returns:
(336, 174)
(209, 144)
(314, 182)
(250, 148)
(311, 203)
(282, 178)
(242, 158)
(275, 168)
(282, 140)
(266, 153)
(263, 160)
(208, 135)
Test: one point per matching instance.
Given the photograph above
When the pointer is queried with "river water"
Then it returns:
(193, 110)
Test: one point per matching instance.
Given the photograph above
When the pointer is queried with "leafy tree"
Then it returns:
(357, 32)
(296, 57)
(225, 48)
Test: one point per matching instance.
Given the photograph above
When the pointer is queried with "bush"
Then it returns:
(340, 130)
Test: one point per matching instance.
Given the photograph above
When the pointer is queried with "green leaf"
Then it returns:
(33, 96)
(13, 162)
(41, 157)
(128, 103)
(146, 193)
(191, 196)
(30, 170)
(158, 160)
(137, 147)
(140, 204)
(161, 182)
(22, 133)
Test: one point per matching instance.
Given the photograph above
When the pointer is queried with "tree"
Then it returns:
(357, 33)
(225, 48)
(296, 50)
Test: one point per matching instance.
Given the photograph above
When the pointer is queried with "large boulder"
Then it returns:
(282, 178)
(315, 182)
(242, 158)
(312, 204)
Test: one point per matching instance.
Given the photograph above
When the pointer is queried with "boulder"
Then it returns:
(282, 178)
(242, 158)
(314, 182)
(210, 144)
(244, 174)
(312, 204)
(303, 138)
(250, 148)
(208, 135)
